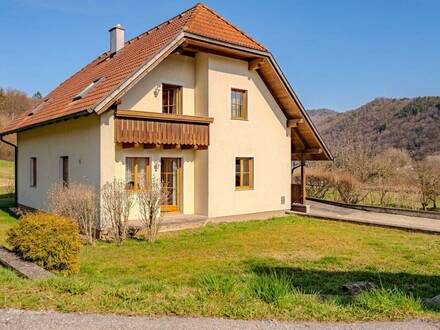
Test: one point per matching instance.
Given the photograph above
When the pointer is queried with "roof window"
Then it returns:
(86, 89)
(38, 107)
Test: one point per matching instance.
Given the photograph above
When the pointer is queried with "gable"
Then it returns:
(194, 30)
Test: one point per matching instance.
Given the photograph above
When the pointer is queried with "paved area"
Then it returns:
(326, 211)
(24, 268)
(17, 319)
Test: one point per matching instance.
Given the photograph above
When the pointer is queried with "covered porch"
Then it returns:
(305, 148)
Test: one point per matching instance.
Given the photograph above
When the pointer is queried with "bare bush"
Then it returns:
(319, 182)
(78, 202)
(150, 201)
(349, 188)
(116, 205)
(428, 180)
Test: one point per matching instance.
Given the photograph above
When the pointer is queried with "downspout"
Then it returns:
(15, 167)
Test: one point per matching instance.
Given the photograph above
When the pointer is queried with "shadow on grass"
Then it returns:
(6, 201)
(323, 282)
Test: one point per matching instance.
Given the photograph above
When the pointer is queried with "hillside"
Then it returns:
(12, 104)
(412, 124)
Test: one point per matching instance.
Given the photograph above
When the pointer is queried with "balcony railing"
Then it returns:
(161, 129)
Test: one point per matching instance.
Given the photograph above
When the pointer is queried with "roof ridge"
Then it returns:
(158, 26)
(200, 4)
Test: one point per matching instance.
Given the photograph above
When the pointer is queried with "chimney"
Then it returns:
(116, 38)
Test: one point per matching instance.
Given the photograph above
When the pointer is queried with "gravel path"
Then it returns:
(18, 319)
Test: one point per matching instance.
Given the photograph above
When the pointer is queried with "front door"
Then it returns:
(171, 177)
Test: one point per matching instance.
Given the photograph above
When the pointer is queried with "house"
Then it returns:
(194, 103)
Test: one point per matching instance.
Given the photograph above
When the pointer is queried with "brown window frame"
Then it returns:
(243, 106)
(241, 173)
(33, 172)
(177, 106)
(64, 171)
(135, 173)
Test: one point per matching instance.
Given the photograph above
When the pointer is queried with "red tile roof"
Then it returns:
(113, 70)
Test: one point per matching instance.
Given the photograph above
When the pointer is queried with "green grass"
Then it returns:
(288, 268)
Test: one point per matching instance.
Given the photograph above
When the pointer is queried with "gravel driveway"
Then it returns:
(17, 319)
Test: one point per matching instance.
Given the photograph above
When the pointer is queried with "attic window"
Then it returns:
(38, 107)
(86, 89)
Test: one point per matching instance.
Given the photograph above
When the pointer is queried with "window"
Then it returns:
(86, 89)
(244, 173)
(171, 99)
(239, 104)
(38, 107)
(64, 170)
(137, 173)
(33, 172)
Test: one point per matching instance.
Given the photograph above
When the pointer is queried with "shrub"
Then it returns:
(149, 201)
(78, 202)
(349, 188)
(48, 240)
(116, 205)
(319, 182)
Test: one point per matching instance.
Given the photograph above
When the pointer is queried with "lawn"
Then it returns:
(6, 176)
(287, 268)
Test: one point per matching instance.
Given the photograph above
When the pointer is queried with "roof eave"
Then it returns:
(279, 72)
(47, 122)
(108, 100)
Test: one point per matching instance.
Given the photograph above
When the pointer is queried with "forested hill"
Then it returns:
(12, 104)
(412, 124)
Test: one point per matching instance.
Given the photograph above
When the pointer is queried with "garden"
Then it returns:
(289, 268)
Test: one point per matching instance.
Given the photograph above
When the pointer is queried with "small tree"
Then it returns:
(150, 201)
(428, 180)
(80, 203)
(116, 205)
(387, 167)
(349, 188)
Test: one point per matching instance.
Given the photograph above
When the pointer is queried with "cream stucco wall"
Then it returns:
(76, 138)
(208, 175)
(155, 156)
(146, 95)
(263, 136)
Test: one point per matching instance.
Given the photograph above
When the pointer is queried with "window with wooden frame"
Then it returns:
(244, 173)
(64, 170)
(239, 104)
(171, 99)
(33, 172)
(137, 173)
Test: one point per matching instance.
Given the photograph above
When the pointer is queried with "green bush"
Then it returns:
(48, 240)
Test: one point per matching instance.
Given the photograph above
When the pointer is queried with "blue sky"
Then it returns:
(337, 54)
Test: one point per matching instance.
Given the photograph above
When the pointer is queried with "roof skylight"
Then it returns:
(86, 89)
(38, 107)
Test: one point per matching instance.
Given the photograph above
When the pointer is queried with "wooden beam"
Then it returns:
(255, 64)
(297, 136)
(151, 146)
(162, 116)
(291, 123)
(307, 151)
(171, 146)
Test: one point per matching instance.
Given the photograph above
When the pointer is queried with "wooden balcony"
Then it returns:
(156, 129)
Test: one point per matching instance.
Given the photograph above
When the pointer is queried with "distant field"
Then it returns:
(6, 175)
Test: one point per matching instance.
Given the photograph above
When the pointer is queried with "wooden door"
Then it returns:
(171, 177)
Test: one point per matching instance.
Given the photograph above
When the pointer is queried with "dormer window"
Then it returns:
(86, 89)
(38, 107)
